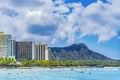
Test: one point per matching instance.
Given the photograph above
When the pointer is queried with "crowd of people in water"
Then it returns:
(67, 72)
(72, 69)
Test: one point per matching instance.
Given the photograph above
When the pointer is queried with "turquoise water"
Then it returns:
(61, 74)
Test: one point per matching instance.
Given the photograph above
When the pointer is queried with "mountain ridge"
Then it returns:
(76, 51)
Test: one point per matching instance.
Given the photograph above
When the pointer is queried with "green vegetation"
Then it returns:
(6, 62)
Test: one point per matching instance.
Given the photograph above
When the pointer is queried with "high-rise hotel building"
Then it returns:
(31, 51)
(13, 47)
(41, 52)
(5, 45)
(25, 50)
(22, 50)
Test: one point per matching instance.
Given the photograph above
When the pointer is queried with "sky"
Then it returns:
(63, 22)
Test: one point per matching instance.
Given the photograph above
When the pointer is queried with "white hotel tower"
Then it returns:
(22, 50)
(5, 45)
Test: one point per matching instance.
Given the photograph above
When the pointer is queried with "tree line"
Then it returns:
(55, 63)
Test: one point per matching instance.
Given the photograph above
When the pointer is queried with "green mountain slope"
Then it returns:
(75, 52)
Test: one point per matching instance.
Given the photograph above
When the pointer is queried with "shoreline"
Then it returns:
(61, 67)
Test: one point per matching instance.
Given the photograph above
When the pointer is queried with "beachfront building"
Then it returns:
(41, 52)
(22, 50)
(13, 47)
(25, 50)
(30, 51)
(5, 45)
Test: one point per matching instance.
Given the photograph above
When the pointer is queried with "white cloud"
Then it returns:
(102, 19)
(98, 19)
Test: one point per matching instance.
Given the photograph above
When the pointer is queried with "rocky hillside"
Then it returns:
(75, 52)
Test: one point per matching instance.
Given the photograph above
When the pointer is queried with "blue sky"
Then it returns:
(63, 22)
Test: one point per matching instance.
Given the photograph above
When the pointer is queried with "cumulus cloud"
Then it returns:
(50, 21)
(99, 18)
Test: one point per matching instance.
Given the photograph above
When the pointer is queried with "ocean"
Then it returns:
(60, 74)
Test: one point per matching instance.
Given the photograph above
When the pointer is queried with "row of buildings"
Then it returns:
(22, 50)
